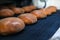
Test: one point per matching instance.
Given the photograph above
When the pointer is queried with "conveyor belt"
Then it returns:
(42, 30)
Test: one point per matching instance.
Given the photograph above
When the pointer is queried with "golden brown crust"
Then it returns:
(32, 7)
(47, 12)
(26, 9)
(51, 9)
(17, 10)
(39, 14)
(29, 8)
(6, 12)
(28, 18)
(11, 25)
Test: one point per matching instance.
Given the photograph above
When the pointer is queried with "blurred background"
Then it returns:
(19, 3)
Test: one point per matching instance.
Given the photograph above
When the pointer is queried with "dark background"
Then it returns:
(42, 30)
(19, 3)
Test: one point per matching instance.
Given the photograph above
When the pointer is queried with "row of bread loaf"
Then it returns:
(13, 25)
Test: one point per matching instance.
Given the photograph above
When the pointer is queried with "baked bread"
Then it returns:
(6, 12)
(28, 18)
(29, 8)
(17, 10)
(39, 14)
(11, 25)
(51, 9)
